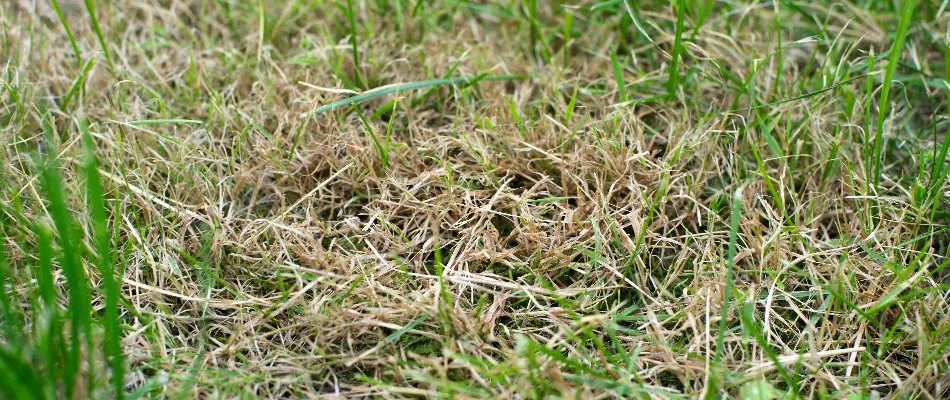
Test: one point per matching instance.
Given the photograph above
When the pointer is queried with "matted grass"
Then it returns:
(648, 199)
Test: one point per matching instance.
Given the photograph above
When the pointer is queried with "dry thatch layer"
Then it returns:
(557, 234)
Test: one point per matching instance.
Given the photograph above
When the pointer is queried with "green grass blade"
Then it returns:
(704, 8)
(938, 175)
(728, 289)
(868, 144)
(91, 9)
(354, 43)
(618, 76)
(142, 122)
(44, 268)
(18, 379)
(402, 87)
(69, 32)
(79, 306)
(105, 260)
(552, 199)
(907, 12)
(10, 320)
(538, 45)
(50, 343)
(565, 49)
(757, 332)
(635, 16)
(79, 83)
(381, 148)
(570, 108)
(799, 97)
(674, 82)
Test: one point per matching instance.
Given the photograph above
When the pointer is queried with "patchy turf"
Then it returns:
(596, 199)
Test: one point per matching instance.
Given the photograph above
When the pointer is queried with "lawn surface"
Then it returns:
(646, 199)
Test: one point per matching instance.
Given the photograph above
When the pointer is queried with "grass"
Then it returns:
(674, 81)
(907, 13)
(404, 87)
(456, 199)
(69, 32)
(94, 20)
(42, 356)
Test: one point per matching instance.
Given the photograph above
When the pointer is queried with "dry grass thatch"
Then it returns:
(564, 232)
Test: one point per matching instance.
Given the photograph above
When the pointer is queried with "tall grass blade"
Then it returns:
(907, 12)
(938, 175)
(69, 32)
(9, 316)
(50, 341)
(728, 289)
(618, 76)
(79, 306)
(538, 45)
(44, 268)
(91, 10)
(674, 82)
(568, 21)
(354, 43)
(105, 260)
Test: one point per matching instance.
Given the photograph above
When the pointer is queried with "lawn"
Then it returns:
(474, 199)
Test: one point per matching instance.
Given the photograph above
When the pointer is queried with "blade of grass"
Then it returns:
(538, 45)
(79, 83)
(704, 9)
(618, 76)
(18, 378)
(142, 122)
(105, 260)
(907, 12)
(553, 199)
(570, 108)
(779, 51)
(674, 82)
(635, 16)
(354, 43)
(91, 9)
(938, 175)
(44, 268)
(50, 343)
(381, 147)
(79, 306)
(69, 32)
(565, 48)
(9, 317)
(800, 97)
(261, 24)
(392, 338)
(401, 87)
(757, 332)
(727, 289)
